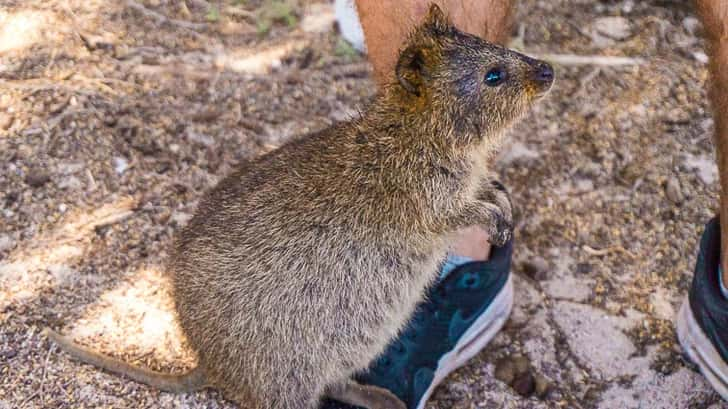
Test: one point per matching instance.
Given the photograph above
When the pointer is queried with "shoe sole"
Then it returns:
(480, 333)
(701, 351)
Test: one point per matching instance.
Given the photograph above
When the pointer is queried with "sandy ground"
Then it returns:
(116, 116)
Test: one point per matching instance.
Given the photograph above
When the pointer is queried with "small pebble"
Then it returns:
(518, 153)
(70, 182)
(543, 385)
(583, 268)
(536, 268)
(592, 169)
(120, 164)
(200, 138)
(8, 354)
(691, 25)
(592, 394)
(673, 191)
(524, 384)
(181, 218)
(6, 120)
(521, 363)
(505, 371)
(583, 185)
(37, 178)
(6, 243)
(628, 6)
(70, 168)
(616, 28)
(121, 51)
(700, 57)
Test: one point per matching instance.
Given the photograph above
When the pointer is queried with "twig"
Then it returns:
(589, 77)
(91, 180)
(578, 29)
(142, 357)
(102, 217)
(603, 252)
(624, 251)
(214, 81)
(356, 70)
(74, 20)
(203, 4)
(109, 220)
(600, 60)
(43, 376)
(96, 81)
(51, 62)
(596, 252)
(518, 42)
(29, 398)
(587, 80)
(161, 18)
(53, 122)
(96, 224)
(239, 12)
(33, 86)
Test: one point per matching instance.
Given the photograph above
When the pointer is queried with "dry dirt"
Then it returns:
(116, 116)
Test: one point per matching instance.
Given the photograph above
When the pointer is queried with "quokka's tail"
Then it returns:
(189, 381)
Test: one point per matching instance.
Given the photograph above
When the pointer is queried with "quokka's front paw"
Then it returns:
(497, 200)
(500, 231)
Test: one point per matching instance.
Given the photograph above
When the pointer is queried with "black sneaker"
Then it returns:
(702, 323)
(463, 312)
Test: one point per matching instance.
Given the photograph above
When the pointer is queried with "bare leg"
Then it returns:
(714, 14)
(386, 24)
(370, 397)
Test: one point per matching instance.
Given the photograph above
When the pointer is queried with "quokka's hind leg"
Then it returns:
(296, 391)
(368, 396)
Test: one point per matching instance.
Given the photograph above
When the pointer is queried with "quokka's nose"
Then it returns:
(544, 74)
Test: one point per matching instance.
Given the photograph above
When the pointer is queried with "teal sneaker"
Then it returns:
(463, 312)
(702, 323)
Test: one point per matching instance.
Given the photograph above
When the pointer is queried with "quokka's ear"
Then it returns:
(411, 69)
(437, 20)
(415, 62)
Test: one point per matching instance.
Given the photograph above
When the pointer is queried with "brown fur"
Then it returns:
(300, 267)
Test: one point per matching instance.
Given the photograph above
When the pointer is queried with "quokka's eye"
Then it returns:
(495, 76)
